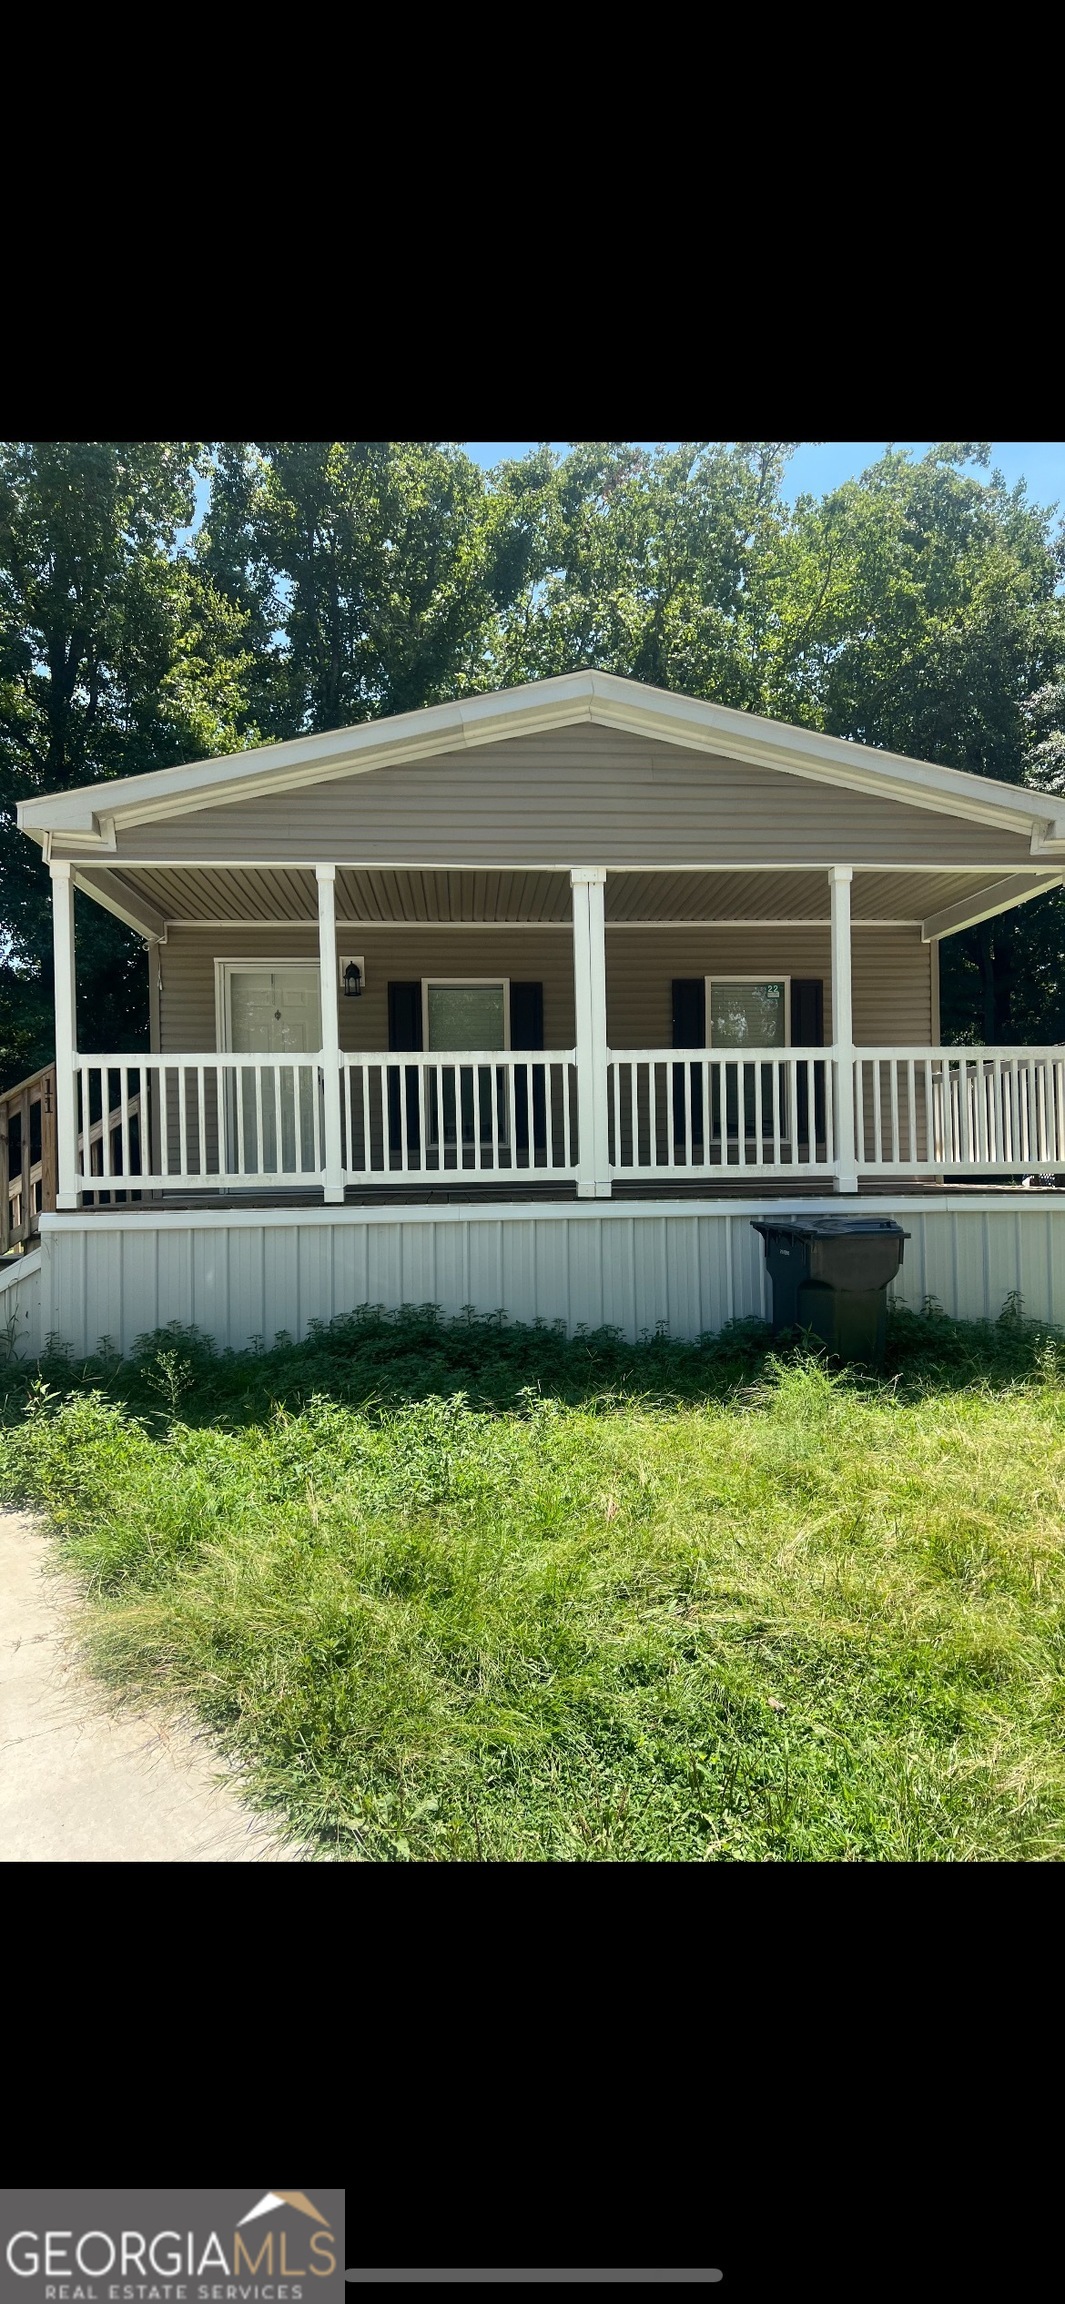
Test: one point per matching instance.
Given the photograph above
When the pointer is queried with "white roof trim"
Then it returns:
(128, 905)
(94, 811)
(987, 903)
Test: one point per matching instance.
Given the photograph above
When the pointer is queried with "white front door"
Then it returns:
(273, 1011)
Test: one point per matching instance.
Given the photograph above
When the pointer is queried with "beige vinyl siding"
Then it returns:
(581, 795)
(891, 988)
(892, 975)
(641, 967)
(890, 970)
(188, 996)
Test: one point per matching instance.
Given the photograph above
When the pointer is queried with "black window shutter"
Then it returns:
(808, 1031)
(526, 1015)
(527, 1031)
(405, 1016)
(689, 1011)
(689, 1031)
(807, 1012)
(404, 1032)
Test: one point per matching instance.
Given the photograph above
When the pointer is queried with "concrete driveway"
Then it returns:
(81, 1784)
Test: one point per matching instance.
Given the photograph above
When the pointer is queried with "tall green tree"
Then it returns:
(117, 654)
(939, 613)
(373, 572)
(939, 631)
(655, 564)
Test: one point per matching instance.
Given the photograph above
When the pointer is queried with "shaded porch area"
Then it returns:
(360, 1036)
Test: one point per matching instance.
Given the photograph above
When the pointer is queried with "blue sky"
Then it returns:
(814, 470)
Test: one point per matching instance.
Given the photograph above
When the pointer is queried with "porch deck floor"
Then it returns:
(413, 1195)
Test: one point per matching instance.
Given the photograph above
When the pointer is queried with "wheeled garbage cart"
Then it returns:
(830, 1276)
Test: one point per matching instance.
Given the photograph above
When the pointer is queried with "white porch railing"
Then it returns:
(764, 1113)
(945, 1110)
(219, 1122)
(198, 1121)
(427, 1114)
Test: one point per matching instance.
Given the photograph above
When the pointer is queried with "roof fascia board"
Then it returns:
(935, 865)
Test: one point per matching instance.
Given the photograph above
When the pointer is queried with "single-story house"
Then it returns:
(531, 1001)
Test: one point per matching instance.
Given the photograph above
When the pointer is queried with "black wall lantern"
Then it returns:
(353, 980)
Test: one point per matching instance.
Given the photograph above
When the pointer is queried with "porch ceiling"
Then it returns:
(273, 896)
(711, 896)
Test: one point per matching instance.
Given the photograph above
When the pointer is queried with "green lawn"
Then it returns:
(463, 1591)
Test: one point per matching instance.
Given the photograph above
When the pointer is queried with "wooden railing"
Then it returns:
(945, 1110)
(765, 1113)
(491, 1113)
(27, 1157)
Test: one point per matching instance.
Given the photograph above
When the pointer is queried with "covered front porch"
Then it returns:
(335, 1033)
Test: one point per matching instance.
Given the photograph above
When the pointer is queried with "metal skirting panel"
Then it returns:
(21, 1331)
(630, 1266)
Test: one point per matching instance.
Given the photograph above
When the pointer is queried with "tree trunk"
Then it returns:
(985, 956)
(994, 949)
(1002, 945)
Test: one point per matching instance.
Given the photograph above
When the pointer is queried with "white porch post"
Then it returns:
(333, 1177)
(839, 878)
(588, 883)
(153, 1080)
(66, 1086)
(153, 947)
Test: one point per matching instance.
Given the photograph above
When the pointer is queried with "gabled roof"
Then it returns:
(87, 817)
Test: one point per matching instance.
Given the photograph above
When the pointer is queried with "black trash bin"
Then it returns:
(830, 1276)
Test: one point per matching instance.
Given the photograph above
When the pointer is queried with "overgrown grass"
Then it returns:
(460, 1591)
